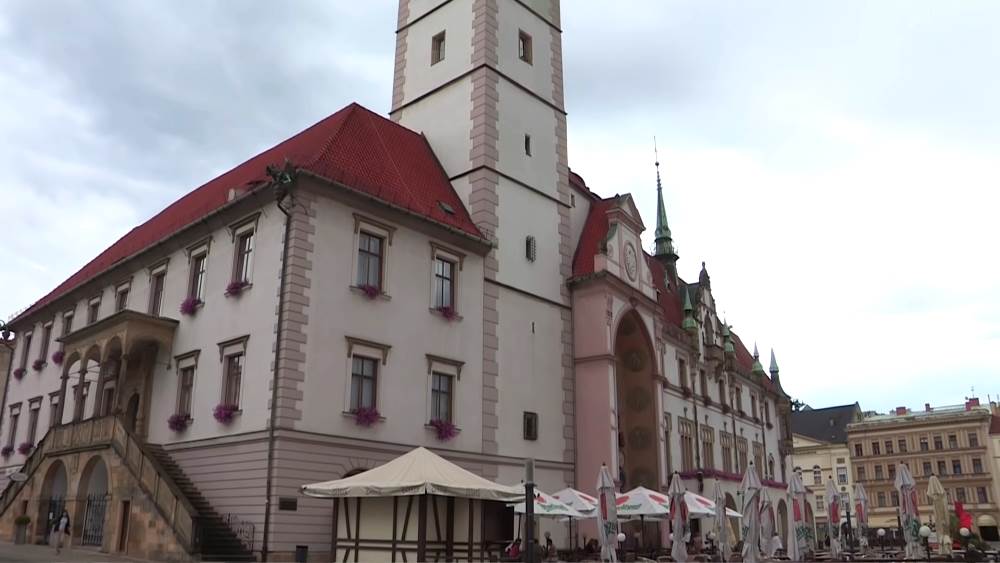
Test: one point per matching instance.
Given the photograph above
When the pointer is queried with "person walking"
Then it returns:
(63, 529)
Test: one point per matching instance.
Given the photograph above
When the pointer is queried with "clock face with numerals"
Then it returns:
(631, 262)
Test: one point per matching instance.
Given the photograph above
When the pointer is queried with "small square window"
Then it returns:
(121, 299)
(530, 426)
(437, 48)
(524, 47)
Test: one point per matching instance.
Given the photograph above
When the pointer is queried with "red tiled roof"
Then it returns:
(667, 296)
(995, 424)
(595, 228)
(354, 146)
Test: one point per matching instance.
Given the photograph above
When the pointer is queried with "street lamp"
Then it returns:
(925, 533)
(881, 539)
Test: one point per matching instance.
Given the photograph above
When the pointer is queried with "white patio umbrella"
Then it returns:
(678, 519)
(546, 506)
(833, 503)
(909, 514)
(798, 543)
(767, 524)
(750, 489)
(701, 507)
(939, 502)
(607, 515)
(861, 514)
(579, 501)
(721, 523)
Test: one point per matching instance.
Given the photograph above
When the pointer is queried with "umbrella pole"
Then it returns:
(642, 531)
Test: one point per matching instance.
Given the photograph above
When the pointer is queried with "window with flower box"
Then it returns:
(187, 366)
(15, 415)
(232, 379)
(364, 381)
(370, 250)
(442, 393)
(67, 324)
(43, 349)
(243, 246)
(196, 278)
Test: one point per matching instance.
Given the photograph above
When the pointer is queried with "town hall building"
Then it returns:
(435, 277)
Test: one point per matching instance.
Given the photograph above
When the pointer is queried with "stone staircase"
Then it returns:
(218, 541)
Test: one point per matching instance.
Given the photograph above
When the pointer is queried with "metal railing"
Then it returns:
(245, 530)
(109, 431)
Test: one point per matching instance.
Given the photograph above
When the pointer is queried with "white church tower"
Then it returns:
(482, 79)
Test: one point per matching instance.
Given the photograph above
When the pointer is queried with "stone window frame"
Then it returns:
(43, 348)
(14, 416)
(34, 411)
(198, 251)
(54, 402)
(439, 47)
(525, 44)
(94, 308)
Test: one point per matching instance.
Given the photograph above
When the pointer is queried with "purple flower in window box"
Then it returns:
(18, 373)
(38, 364)
(178, 422)
(57, 357)
(6, 451)
(224, 413)
(370, 291)
(25, 448)
(190, 305)
(447, 312)
(444, 429)
(366, 416)
(235, 288)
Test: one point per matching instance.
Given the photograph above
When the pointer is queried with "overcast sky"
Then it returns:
(835, 163)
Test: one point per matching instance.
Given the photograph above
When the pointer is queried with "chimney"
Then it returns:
(973, 402)
(927, 407)
(900, 411)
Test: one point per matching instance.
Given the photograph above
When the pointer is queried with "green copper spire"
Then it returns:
(727, 339)
(688, 323)
(757, 368)
(664, 242)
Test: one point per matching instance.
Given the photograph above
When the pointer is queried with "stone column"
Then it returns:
(78, 394)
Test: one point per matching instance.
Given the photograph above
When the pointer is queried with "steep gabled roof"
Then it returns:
(595, 229)
(827, 424)
(354, 146)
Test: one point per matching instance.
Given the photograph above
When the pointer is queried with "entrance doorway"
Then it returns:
(94, 485)
(637, 419)
(123, 527)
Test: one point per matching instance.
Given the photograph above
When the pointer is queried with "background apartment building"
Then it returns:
(952, 442)
(820, 451)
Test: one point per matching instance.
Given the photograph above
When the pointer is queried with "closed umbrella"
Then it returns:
(721, 523)
(909, 515)
(940, 503)
(750, 489)
(607, 515)
(798, 543)
(767, 526)
(833, 503)
(861, 514)
(678, 519)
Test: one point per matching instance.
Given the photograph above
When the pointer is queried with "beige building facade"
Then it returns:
(820, 452)
(952, 442)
